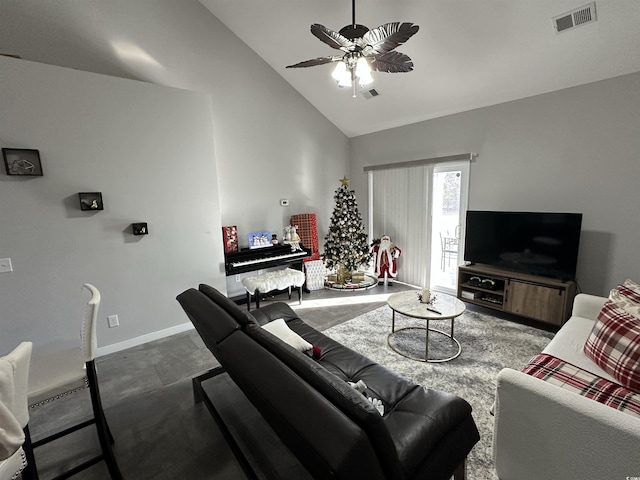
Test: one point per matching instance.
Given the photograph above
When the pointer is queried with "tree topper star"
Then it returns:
(344, 180)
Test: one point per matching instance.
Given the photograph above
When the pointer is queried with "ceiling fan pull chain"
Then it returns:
(353, 81)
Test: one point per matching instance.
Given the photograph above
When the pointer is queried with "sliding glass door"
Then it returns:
(448, 212)
(422, 208)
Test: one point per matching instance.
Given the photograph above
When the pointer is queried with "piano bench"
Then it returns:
(278, 280)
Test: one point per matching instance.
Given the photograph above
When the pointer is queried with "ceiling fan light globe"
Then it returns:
(339, 72)
(362, 67)
(365, 79)
(345, 81)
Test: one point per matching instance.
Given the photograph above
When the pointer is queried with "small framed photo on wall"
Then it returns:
(22, 161)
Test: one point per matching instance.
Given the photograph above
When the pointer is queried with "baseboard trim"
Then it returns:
(149, 337)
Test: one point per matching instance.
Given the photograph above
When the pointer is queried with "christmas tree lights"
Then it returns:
(346, 245)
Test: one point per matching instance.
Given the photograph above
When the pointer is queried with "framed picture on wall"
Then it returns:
(22, 161)
(259, 239)
(230, 238)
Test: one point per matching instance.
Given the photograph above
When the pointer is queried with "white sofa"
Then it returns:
(542, 431)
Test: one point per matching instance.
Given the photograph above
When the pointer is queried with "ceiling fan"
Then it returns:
(364, 50)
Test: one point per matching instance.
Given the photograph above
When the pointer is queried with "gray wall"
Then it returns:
(269, 142)
(572, 150)
(149, 150)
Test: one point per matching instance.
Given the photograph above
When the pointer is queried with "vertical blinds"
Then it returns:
(400, 208)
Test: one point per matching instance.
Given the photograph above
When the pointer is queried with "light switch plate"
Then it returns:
(5, 265)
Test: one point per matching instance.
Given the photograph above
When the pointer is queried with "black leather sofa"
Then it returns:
(333, 430)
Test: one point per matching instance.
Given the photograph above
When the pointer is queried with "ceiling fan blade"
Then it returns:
(386, 37)
(331, 38)
(392, 62)
(316, 61)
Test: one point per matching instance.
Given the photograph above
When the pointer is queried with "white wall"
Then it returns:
(573, 150)
(149, 150)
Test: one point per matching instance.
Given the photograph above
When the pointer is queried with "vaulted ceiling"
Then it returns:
(467, 53)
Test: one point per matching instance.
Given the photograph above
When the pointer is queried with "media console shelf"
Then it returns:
(540, 298)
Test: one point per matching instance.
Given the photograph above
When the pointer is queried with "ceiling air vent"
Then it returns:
(575, 18)
(370, 93)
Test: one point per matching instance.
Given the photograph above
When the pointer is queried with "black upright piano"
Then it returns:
(249, 260)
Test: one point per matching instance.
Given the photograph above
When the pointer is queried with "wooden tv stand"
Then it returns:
(540, 298)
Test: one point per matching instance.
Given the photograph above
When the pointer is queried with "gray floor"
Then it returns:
(159, 432)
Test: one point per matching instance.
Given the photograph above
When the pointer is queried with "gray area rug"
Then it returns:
(489, 344)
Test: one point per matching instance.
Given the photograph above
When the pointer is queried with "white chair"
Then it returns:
(14, 413)
(63, 372)
(449, 248)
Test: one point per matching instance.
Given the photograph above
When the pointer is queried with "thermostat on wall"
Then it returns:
(284, 202)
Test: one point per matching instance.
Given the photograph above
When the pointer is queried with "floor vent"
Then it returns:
(575, 18)
(370, 93)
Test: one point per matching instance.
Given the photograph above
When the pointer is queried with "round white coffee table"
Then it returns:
(445, 307)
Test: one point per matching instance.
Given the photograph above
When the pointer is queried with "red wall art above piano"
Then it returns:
(230, 238)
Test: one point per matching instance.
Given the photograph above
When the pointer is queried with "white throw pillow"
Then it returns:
(280, 329)
(624, 302)
(635, 286)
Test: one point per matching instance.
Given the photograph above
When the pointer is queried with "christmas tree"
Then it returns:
(346, 243)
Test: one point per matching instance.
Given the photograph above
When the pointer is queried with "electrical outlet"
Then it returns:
(237, 278)
(113, 321)
(5, 265)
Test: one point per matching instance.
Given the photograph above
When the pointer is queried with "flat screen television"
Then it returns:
(537, 243)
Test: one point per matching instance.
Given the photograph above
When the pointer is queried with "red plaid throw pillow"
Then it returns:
(614, 344)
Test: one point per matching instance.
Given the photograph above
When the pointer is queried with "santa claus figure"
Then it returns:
(385, 254)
